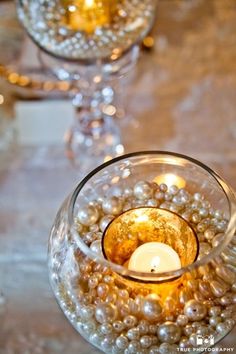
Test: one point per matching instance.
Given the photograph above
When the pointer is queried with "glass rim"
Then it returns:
(164, 276)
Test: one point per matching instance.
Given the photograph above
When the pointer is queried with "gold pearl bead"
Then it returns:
(217, 288)
(226, 274)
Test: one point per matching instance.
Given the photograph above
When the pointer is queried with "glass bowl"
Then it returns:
(122, 310)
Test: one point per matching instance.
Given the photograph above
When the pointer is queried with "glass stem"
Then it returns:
(94, 105)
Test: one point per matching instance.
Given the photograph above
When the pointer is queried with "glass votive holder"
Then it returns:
(142, 255)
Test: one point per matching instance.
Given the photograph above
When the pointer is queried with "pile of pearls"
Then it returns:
(45, 22)
(115, 319)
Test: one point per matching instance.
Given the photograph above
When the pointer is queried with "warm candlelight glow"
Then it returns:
(170, 179)
(87, 15)
(150, 240)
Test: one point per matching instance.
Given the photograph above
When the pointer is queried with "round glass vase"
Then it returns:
(119, 310)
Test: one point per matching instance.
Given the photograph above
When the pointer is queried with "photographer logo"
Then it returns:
(205, 340)
(205, 344)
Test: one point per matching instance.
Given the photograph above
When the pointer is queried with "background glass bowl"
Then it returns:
(50, 25)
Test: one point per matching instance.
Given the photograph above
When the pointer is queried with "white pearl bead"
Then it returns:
(103, 290)
(226, 274)
(226, 314)
(154, 350)
(112, 206)
(146, 341)
(178, 200)
(222, 328)
(214, 321)
(217, 288)
(89, 327)
(86, 312)
(195, 310)
(143, 327)
(108, 279)
(128, 192)
(159, 195)
(88, 215)
(133, 334)
(106, 328)
(166, 348)
(197, 324)
(227, 299)
(95, 338)
(203, 212)
(205, 248)
(230, 323)
(93, 282)
(152, 203)
(122, 342)
(198, 196)
(105, 221)
(133, 347)
(188, 330)
(105, 313)
(151, 308)
(182, 320)
(196, 218)
(193, 339)
(134, 307)
(209, 234)
(163, 187)
(118, 326)
(221, 226)
(116, 350)
(215, 311)
(203, 330)
(186, 215)
(169, 332)
(173, 189)
(89, 237)
(124, 294)
(152, 329)
(204, 288)
(184, 343)
(168, 197)
(130, 321)
(143, 190)
(94, 228)
(217, 240)
(96, 247)
(175, 208)
(124, 309)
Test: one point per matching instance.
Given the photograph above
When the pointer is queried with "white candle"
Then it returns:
(154, 257)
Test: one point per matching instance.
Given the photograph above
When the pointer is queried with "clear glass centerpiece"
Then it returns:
(142, 255)
(91, 43)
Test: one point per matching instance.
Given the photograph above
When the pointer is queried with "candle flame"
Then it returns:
(170, 179)
(155, 262)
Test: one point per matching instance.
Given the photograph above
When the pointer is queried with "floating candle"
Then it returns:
(154, 257)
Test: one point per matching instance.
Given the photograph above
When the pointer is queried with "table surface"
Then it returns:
(182, 97)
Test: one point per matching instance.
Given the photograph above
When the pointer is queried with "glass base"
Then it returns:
(99, 139)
